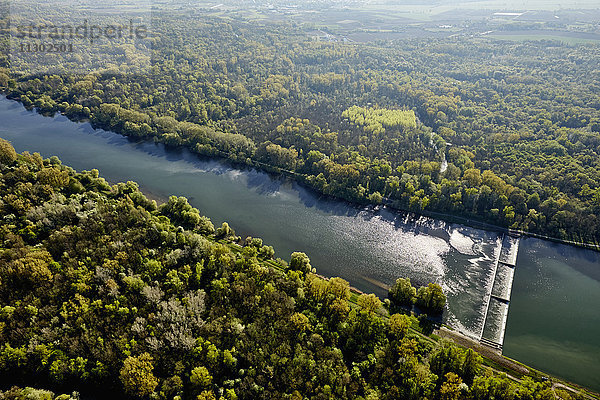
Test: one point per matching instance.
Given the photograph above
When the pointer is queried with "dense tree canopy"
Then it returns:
(403, 293)
(431, 298)
(101, 290)
(507, 133)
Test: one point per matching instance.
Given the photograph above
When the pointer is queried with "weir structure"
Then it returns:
(498, 298)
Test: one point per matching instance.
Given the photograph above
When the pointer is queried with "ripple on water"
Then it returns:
(460, 259)
(340, 239)
(462, 243)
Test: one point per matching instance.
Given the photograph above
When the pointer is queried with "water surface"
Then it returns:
(368, 248)
(554, 317)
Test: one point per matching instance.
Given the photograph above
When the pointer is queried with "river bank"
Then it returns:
(494, 360)
(471, 221)
(370, 248)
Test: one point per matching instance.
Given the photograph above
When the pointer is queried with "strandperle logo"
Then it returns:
(80, 37)
(92, 32)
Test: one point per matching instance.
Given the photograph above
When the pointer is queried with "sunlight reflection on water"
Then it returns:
(359, 244)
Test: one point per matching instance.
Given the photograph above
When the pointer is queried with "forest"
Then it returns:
(506, 133)
(103, 291)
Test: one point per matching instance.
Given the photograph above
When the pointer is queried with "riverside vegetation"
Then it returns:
(517, 123)
(102, 290)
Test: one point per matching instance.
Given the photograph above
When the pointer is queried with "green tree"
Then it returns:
(338, 287)
(376, 198)
(470, 366)
(399, 325)
(369, 303)
(431, 298)
(53, 177)
(224, 231)
(402, 292)
(200, 377)
(137, 377)
(206, 395)
(8, 155)
(451, 388)
(446, 358)
(300, 262)
(300, 322)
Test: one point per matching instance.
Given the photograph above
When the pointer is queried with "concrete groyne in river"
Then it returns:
(352, 242)
(498, 299)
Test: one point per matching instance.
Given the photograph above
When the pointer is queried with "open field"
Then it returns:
(366, 21)
(513, 5)
(569, 37)
(564, 39)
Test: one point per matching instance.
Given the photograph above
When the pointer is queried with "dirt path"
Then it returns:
(558, 385)
(496, 356)
(488, 352)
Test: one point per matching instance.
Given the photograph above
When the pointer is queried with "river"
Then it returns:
(554, 318)
(368, 248)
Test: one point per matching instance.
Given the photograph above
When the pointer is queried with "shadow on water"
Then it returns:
(584, 261)
(263, 183)
(312, 199)
(343, 239)
(416, 224)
